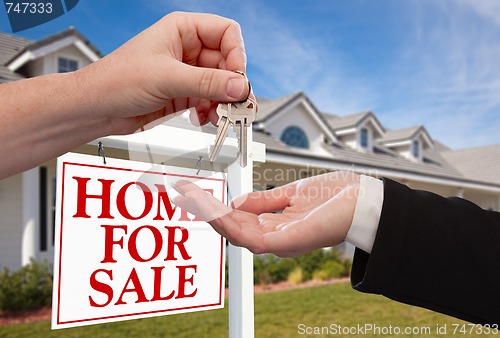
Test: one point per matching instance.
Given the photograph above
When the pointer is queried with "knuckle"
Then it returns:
(234, 24)
(207, 85)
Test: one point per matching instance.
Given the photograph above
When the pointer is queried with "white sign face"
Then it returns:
(124, 251)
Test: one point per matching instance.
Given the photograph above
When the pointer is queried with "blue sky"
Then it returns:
(435, 63)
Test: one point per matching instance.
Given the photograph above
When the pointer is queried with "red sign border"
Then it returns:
(221, 274)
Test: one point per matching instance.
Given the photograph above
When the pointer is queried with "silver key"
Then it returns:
(222, 129)
(242, 115)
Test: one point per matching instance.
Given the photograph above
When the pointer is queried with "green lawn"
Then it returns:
(278, 314)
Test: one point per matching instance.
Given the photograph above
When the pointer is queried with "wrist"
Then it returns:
(89, 103)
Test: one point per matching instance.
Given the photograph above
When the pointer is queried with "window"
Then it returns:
(43, 208)
(295, 137)
(47, 209)
(364, 138)
(416, 149)
(66, 65)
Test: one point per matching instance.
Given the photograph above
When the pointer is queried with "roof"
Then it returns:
(437, 161)
(467, 161)
(268, 107)
(6, 75)
(71, 31)
(11, 45)
(342, 122)
(400, 134)
(405, 134)
(348, 122)
(378, 159)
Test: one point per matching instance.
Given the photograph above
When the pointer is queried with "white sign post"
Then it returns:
(124, 251)
(240, 261)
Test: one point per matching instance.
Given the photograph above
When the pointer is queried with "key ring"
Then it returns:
(248, 81)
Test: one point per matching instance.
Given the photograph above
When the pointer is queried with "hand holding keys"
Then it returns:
(240, 115)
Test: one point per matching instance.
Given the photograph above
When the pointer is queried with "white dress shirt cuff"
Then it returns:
(366, 217)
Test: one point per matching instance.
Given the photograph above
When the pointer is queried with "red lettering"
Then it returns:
(163, 197)
(122, 206)
(109, 241)
(183, 280)
(180, 244)
(157, 285)
(132, 243)
(137, 288)
(82, 196)
(101, 287)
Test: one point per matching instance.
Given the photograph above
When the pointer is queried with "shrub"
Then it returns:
(320, 275)
(319, 264)
(27, 288)
(331, 269)
(310, 262)
(296, 276)
(271, 269)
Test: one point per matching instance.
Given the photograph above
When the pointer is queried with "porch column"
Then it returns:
(31, 206)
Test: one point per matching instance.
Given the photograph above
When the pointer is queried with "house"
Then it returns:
(27, 209)
(300, 140)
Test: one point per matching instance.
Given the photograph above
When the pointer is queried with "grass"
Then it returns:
(277, 314)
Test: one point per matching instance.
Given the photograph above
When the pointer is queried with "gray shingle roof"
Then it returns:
(399, 134)
(341, 122)
(11, 45)
(268, 107)
(6, 75)
(479, 163)
(378, 159)
(71, 31)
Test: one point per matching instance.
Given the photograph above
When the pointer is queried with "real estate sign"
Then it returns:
(124, 251)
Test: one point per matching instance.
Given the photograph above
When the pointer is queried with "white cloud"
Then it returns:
(455, 88)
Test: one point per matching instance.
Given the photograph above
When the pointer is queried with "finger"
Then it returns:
(240, 228)
(211, 58)
(201, 204)
(222, 34)
(265, 201)
(184, 186)
(213, 84)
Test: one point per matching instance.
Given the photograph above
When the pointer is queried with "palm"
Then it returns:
(315, 212)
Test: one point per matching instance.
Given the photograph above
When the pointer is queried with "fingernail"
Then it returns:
(235, 87)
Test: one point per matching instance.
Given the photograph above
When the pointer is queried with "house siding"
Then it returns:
(11, 222)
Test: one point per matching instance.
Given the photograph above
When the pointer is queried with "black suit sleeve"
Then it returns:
(434, 252)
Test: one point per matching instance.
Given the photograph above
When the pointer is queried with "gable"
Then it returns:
(300, 113)
(69, 40)
(371, 122)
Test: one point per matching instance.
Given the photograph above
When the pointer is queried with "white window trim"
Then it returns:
(67, 56)
(369, 135)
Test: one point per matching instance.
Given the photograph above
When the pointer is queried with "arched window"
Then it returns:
(295, 137)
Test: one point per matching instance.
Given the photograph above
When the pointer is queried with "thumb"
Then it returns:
(208, 83)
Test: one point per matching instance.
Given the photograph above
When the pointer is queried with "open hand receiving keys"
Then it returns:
(312, 213)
